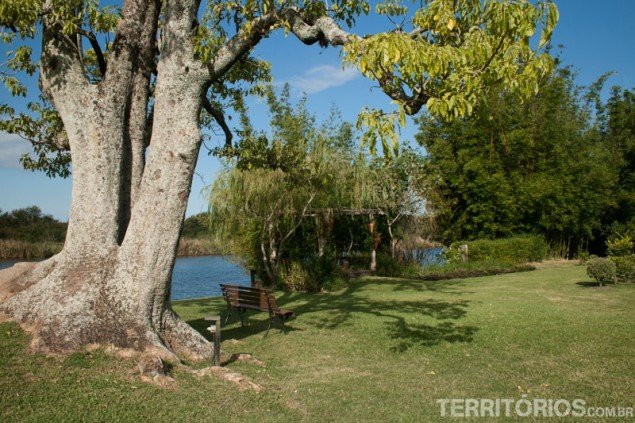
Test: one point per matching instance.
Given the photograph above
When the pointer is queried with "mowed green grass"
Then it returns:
(379, 350)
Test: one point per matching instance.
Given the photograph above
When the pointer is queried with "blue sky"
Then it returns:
(597, 37)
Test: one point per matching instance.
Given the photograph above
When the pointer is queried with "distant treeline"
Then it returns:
(29, 234)
(31, 225)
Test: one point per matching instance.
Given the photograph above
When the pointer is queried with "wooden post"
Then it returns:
(217, 342)
(215, 330)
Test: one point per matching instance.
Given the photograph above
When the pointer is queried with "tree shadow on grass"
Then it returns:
(594, 284)
(255, 325)
(588, 284)
(408, 324)
(449, 286)
(402, 319)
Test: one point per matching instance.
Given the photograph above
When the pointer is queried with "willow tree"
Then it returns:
(118, 83)
(272, 183)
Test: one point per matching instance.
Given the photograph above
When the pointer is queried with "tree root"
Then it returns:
(69, 304)
(184, 340)
(242, 382)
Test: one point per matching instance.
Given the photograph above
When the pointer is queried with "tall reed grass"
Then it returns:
(14, 249)
(196, 247)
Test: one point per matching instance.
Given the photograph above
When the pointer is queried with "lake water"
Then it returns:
(197, 277)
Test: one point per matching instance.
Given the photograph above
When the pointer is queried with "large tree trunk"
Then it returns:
(111, 283)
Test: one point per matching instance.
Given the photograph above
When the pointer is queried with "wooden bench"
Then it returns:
(243, 298)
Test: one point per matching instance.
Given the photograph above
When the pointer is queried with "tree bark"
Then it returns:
(373, 252)
(111, 283)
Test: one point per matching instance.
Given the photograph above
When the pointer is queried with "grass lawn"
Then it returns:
(379, 350)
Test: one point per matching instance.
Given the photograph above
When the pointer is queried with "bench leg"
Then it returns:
(284, 328)
(268, 327)
(229, 314)
(240, 313)
(271, 319)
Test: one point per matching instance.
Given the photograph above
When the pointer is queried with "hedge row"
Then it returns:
(515, 250)
(459, 273)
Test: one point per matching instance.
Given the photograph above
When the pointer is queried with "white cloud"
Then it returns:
(322, 77)
(12, 148)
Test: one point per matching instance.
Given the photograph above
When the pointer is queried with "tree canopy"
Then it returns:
(444, 54)
(550, 165)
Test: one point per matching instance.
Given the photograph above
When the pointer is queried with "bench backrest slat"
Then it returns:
(251, 297)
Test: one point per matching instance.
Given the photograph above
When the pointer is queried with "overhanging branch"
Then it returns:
(220, 120)
(101, 61)
(324, 30)
(240, 44)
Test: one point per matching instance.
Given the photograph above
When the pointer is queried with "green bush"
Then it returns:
(452, 254)
(621, 245)
(311, 275)
(584, 257)
(323, 272)
(389, 266)
(602, 270)
(515, 250)
(624, 268)
(293, 277)
(469, 269)
(463, 273)
(337, 281)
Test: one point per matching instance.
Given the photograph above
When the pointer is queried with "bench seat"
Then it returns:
(242, 298)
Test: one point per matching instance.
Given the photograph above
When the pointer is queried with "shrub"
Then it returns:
(621, 245)
(451, 272)
(602, 270)
(311, 275)
(515, 250)
(452, 254)
(323, 272)
(389, 266)
(293, 277)
(337, 281)
(624, 268)
(470, 269)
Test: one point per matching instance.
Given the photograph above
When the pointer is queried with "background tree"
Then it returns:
(617, 128)
(172, 66)
(281, 197)
(513, 167)
(30, 224)
(272, 182)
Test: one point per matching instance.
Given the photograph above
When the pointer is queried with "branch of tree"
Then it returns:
(219, 117)
(240, 44)
(101, 61)
(325, 30)
(303, 214)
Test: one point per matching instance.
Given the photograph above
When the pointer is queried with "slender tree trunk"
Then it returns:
(393, 242)
(373, 252)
